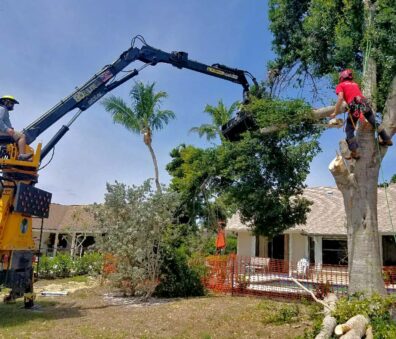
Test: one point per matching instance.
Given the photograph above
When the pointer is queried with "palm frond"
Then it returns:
(161, 118)
(208, 130)
(220, 114)
(121, 113)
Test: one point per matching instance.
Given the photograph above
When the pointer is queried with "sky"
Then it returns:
(51, 47)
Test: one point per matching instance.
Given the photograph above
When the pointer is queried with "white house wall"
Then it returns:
(246, 244)
(298, 247)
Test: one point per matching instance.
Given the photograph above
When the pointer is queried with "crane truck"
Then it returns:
(21, 200)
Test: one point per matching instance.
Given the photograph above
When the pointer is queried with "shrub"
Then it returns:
(89, 263)
(197, 262)
(45, 267)
(376, 308)
(139, 223)
(178, 279)
(63, 265)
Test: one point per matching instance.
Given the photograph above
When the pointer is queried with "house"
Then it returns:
(323, 238)
(67, 229)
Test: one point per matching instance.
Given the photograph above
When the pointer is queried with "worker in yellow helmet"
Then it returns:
(7, 103)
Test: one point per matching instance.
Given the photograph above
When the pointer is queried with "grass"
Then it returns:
(279, 314)
(87, 313)
(77, 278)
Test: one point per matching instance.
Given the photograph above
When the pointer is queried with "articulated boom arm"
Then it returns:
(104, 81)
(20, 199)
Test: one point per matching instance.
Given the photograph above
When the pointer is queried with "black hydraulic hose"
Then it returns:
(51, 144)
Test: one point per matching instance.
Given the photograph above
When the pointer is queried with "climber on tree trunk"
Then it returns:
(358, 108)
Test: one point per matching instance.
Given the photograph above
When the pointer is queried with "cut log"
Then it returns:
(351, 335)
(341, 329)
(329, 322)
(356, 325)
(331, 300)
(328, 325)
(369, 333)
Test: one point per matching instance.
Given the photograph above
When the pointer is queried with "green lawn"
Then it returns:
(92, 313)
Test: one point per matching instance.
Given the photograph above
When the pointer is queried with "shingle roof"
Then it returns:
(72, 218)
(327, 214)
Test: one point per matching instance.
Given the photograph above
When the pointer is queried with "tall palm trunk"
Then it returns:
(148, 141)
(157, 183)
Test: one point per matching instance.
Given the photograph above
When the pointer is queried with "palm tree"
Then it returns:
(220, 115)
(143, 116)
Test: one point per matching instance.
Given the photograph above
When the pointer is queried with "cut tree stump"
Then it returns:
(353, 328)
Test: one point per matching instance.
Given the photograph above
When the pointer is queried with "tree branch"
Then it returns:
(389, 122)
(318, 114)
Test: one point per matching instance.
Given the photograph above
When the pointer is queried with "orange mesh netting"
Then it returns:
(273, 277)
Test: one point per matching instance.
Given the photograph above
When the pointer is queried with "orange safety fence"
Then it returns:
(109, 264)
(276, 278)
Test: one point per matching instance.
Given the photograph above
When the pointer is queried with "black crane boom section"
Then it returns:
(105, 81)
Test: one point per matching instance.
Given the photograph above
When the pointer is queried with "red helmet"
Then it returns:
(346, 74)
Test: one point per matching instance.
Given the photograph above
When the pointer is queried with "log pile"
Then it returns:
(356, 327)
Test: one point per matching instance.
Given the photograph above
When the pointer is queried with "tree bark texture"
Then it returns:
(358, 186)
(157, 183)
(360, 194)
(147, 138)
(358, 183)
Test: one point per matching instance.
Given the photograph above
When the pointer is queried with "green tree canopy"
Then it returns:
(192, 172)
(262, 176)
(320, 37)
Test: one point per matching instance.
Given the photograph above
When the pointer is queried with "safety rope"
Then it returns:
(367, 52)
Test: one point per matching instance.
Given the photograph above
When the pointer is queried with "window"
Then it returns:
(335, 252)
(388, 250)
(276, 247)
(311, 246)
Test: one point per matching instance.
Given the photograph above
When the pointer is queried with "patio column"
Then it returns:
(56, 243)
(318, 251)
(73, 245)
(290, 258)
(253, 246)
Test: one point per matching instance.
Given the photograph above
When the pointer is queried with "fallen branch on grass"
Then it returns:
(329, 303)
(311, 293)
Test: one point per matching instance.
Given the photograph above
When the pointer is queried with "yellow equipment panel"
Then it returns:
(15, 228)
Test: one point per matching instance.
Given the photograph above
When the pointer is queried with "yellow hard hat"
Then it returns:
(9, 97)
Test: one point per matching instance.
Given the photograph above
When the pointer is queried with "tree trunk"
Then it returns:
(357, 182)
(157, 183)
(147, 140)
(360, 197)
(359, 190)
